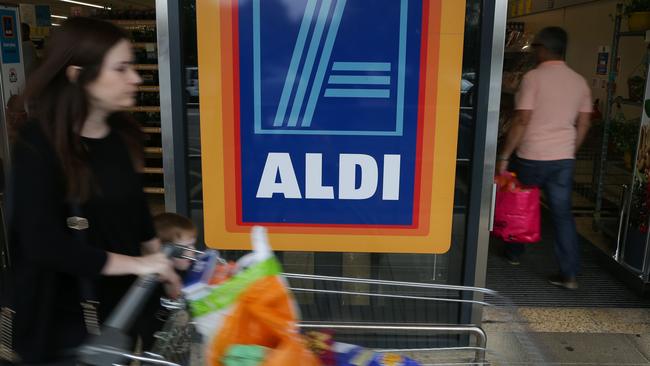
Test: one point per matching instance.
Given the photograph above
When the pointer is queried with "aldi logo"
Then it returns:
(345, 73)
(326, 121)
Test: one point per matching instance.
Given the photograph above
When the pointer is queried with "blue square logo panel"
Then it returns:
(335, 67)
(328, 111)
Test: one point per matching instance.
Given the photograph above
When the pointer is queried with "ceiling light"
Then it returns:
(58, 16)
(86, 4)
(56, 25)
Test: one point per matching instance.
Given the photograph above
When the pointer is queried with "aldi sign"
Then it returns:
(331, 122)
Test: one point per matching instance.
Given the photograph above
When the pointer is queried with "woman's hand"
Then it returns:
(162, 266)
(158, 263)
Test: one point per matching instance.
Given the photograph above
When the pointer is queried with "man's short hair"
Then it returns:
(554, 39)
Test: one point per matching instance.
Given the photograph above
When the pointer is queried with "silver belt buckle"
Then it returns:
(77, 223)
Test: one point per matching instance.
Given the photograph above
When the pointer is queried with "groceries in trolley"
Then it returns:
(333, 353)
(247, 315)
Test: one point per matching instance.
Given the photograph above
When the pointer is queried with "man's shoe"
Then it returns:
(568, 283)
(512, 259)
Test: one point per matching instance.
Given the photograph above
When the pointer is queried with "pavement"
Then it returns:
(557, 336)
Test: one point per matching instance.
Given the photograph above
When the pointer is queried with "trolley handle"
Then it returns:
(131, 304)
(109, 347)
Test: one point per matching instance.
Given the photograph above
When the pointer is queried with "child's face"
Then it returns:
(188, 239)
(185, 237)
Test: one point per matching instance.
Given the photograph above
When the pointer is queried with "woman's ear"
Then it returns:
(72, 73)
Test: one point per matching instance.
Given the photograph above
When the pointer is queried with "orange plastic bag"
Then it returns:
(264, 315)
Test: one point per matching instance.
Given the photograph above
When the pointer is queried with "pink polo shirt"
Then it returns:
(555, 94)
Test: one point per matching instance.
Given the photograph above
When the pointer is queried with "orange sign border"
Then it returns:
(438, 136)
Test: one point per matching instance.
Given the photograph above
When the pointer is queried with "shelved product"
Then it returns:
(517, 61)
(610, 168)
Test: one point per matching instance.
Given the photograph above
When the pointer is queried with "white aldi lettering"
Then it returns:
(279, 177)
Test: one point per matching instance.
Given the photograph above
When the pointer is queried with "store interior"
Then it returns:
(608, 46)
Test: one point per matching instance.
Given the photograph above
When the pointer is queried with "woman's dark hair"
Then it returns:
(62, 106)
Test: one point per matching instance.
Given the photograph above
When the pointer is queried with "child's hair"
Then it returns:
(168, 224)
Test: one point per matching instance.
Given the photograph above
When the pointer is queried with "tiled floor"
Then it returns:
(561, 336)
(551, 348)
(573, 320)
(566, 336)
(568, 349)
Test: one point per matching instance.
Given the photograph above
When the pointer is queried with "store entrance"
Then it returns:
(609, 194)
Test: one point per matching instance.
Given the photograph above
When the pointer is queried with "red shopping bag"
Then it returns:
(517, 213)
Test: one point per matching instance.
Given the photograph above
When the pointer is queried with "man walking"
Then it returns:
(552, 117)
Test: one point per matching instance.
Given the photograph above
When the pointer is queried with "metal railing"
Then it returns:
(179, 343)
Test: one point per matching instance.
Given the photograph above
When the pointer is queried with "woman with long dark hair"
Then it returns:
(78, 152)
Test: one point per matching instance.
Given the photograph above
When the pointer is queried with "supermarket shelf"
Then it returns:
(149, 88)
(631, 34)
(150, 109)
(151, 129)
(134, 23)
(153, 150)
(514, 50)
(142, 67)
(629, 102)
(149, 170)
(154, 190)
(144, 44)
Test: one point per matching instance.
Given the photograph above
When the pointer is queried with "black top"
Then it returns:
(48, 261)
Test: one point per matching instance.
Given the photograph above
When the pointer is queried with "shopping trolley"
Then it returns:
(180, 344)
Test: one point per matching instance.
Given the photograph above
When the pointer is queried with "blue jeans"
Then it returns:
(555, 178)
